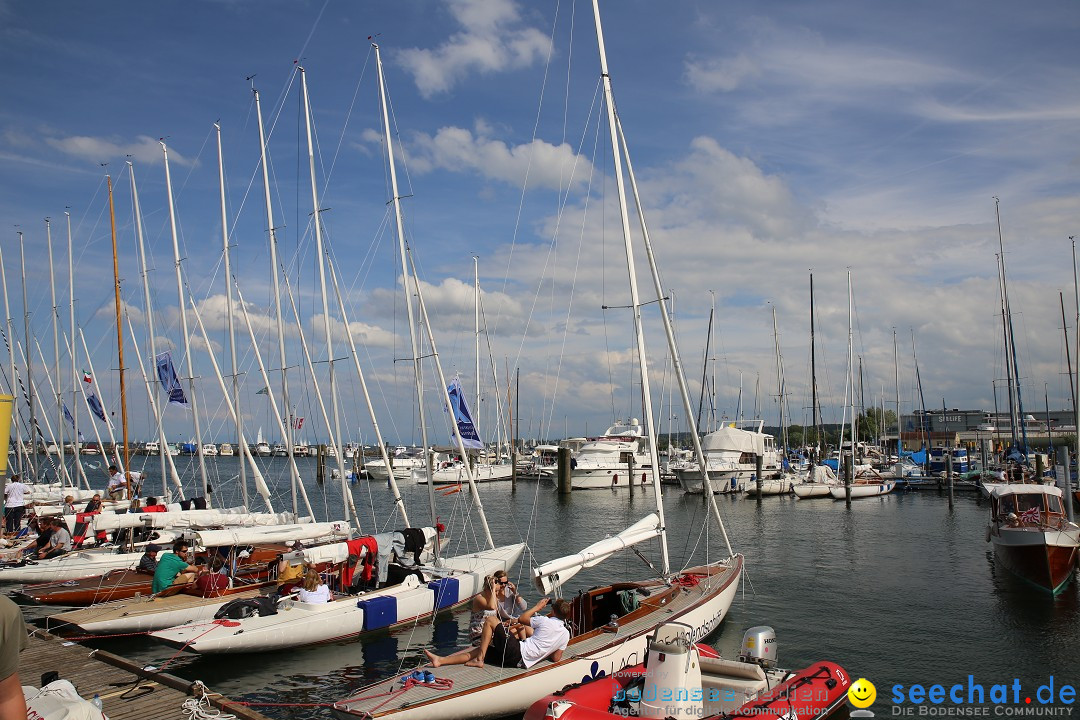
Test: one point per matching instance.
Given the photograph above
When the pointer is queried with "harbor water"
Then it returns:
(900, 589)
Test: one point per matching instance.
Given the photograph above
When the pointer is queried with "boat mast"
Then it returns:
(56, 359)
(1075, 385)
(163, 451)
(445, 396)
(20, 452)
(34, 430)
(120, 327)
(400, 229)
(1011, 348)
(184, 325)
(476, 340)
(780, 383)
(896, 380)
(849, 387)
(371, 408)
(229, 314)
(815, 411)
(272, 230)
(273, 402)
(260, 484)
(316, 218)
(80, 471)
(673, 349)
(705, 361)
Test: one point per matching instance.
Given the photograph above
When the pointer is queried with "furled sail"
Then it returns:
(279, 533)
(554, 573)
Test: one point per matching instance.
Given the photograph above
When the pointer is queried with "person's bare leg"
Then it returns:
(458, 658)
(485, 641)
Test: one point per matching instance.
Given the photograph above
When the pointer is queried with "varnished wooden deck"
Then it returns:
(119, 683)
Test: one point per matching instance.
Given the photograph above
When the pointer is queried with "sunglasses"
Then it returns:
(503, 582)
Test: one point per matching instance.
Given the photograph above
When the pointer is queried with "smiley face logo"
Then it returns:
(862, 693)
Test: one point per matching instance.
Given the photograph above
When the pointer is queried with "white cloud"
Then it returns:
(720, 74)
(144, 150)
(494, 39)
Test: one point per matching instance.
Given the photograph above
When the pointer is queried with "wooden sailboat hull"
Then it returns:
(493, 692)
(1044, 558)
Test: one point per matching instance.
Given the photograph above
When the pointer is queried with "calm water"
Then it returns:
(897, 589)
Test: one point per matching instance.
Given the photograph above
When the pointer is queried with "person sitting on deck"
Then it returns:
(498, 647)
(94, 505)
(44, 531)
(314, 590)
(148, 562)
(59, 541)
(118, 484)
(69, 505)
(174, 569)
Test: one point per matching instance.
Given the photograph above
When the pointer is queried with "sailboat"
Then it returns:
(417, 589)
(863, 485)
(698, 597)
(262, 448)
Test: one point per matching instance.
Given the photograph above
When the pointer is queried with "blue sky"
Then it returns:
(768, 139)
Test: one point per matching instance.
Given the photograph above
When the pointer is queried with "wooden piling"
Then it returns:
(564, 471)
(320, 470)
(757, 473)
(630, 472)
(849, 471)
(949, 477)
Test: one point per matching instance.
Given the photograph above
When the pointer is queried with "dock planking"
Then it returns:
(127, 691)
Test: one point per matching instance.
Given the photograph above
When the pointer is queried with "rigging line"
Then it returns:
(348, 116)
(532, 153)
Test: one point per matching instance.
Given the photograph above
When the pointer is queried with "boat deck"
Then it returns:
(127, 691)
(386, 697)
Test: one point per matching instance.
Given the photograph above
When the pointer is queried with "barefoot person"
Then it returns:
(498, 647)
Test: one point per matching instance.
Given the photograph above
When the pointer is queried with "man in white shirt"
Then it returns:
(499, 647)
(118, 484)
(14, 503)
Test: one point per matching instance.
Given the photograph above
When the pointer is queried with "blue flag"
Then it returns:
(96, 408)
(67, 414)
(463, 417)
(167, 374)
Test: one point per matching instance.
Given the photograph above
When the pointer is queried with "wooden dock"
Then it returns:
(127, 691)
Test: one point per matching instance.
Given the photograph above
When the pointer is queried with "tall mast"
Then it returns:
(184, 325)
(56, 357)
(229, 315)
(108, 423)
(120, 326)
(1076, 380)
(673, 348)
(400, 227)
(850, 389)
(780, 383)
(367, 399)
(339, 453)
(34, 431)
(20, 449)
(76, 441)
(639, 332)
(815, 414)
(1012, 336)
(294, 472)
(1008, 365)
(476, 338)
(163, 451)
(896, 380)
(445, 396)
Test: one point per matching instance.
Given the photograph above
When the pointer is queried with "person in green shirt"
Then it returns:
(174, 569)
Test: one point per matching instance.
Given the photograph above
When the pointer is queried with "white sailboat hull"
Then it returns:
(457, 475)
(69, 567)
(306, 624)
(805, 491)
(511, 691)
(860, 490)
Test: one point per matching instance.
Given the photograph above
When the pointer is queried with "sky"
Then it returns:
(768, 140)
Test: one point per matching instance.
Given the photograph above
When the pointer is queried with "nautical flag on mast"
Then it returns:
(264, 391)
(297, 422)
(463, 417)
(86, 377)
(169, 381)
(96, 408)
(67, 414)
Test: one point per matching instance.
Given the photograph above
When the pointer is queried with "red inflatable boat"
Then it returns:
(691, 682)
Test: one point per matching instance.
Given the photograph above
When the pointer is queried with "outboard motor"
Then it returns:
(759, 646)
(672, 685)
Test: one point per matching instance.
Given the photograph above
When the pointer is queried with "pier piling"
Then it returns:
(849, 470)
(564, 471)
(949, 478)
(757, 474)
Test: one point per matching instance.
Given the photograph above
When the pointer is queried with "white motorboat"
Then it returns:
(731, 458)
(152, 448)
(209, 450)
(226, 450)
(280, 451)
(455, 474)
(301, 449)
(615, 459)
(403, 461)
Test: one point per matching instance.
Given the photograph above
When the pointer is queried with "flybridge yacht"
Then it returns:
(730, 455)
(613, 459)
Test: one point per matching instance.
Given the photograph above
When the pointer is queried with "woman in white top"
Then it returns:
(314, 590)
(483, 606)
